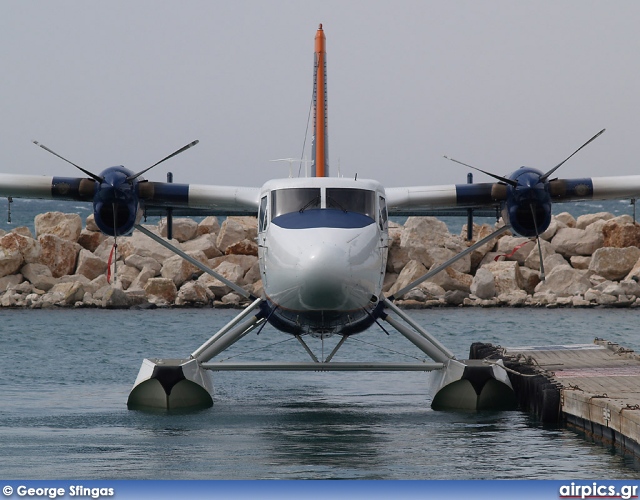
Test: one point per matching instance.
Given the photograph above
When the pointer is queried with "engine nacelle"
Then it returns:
(527, 207)
(116, 206)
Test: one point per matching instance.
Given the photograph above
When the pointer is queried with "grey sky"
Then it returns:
(496, 84)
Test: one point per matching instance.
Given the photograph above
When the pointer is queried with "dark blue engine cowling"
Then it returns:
(115, 203)
(528, 200)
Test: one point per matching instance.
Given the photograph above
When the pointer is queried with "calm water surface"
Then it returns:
(66, 375)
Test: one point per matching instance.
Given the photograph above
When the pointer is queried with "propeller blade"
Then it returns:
(546, 176)
(535, 225)
(95, 177)
(541, 260)
(181, 150)
(511, 182)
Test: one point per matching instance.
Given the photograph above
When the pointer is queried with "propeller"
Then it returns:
(95, 177)
(511, 182)
(181, 150)
(546, 176)
(527, 189)
(116, 195)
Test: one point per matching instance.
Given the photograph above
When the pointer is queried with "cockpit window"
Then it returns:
(352, 200)
(262, 215)
(285, 201)
(383, 213)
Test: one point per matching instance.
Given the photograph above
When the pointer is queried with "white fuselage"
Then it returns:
(323, 251)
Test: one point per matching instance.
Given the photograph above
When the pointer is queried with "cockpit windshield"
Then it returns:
(348, 200)
(360, 201)
(285, 201)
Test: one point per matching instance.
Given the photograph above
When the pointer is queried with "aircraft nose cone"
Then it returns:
(324, 271)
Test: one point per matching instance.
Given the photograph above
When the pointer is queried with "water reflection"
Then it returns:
(325, 434)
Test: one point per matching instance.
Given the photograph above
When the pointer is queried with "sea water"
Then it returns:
(66, 375)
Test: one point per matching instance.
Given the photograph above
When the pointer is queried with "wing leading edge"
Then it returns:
(154, 197)
(431, 200)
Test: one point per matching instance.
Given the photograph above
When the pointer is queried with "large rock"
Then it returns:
(244, 247)
(554, 260)
(506, 276)
(161, 291)
(515, 248)
(193, 293)
(10, 261)
(614, 263)
(450, 279)
(183, 229)
(250, 225)
(244, 261)
(530, 278)
(551, 231)
(10, 281)
(479, 233)
(89, 265)
(115, 298)
(630, 287)
(91, 239)
(412, 271)
(65, 226)
(532, 260)
(39, 276)
(231, 232)
(564, 281)
(452, 248)
(90, 224)
(572, 241)
(58, 254)
(580, 261)
(23, 231)
(105, 249)
(27, 246)
(431, 291)
(483, 285)
(179, 270)
(209, 225)
(621, 235)
(140, 263)
(71, 292)
(229, 271)
(205, 243)
(424, 231)
(143, 246)
(253, 274)
(126, 275)
(566, 219)
(143, 277)
(587, 219)
(455, 297)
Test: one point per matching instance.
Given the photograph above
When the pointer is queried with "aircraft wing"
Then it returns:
(154, 197)
(440, 200)
(454, 199)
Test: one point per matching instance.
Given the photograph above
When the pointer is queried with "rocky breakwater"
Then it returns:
(66, 265)
(591, 261)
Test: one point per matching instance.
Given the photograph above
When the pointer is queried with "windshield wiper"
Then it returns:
(331, 201)
(313, 201)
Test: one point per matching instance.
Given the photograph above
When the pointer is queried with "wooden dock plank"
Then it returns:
(599, 387)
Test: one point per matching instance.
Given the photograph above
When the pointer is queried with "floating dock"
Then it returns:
(593, 388)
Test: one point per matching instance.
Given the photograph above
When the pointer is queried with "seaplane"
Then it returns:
(323, 245)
